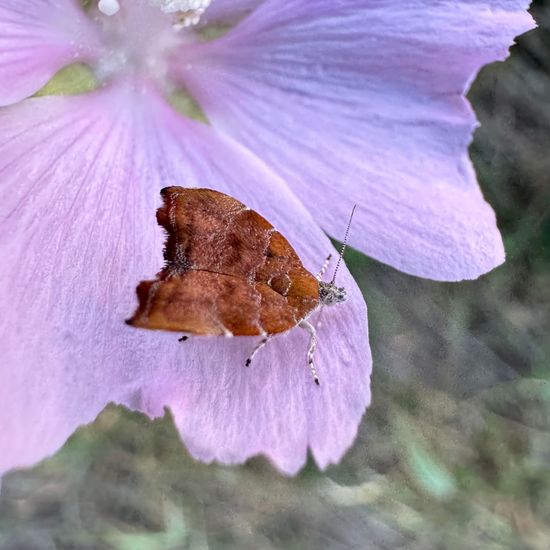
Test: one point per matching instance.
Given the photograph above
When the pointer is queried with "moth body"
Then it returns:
(228, 272)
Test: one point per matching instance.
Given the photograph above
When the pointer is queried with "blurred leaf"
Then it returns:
(186, 105)
(71, 80)
(173, 537)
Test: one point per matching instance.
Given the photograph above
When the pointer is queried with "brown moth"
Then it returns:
(228, 272)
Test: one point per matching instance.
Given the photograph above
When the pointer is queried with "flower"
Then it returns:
(312, 105)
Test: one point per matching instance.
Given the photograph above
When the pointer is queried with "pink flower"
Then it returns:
(313, 105)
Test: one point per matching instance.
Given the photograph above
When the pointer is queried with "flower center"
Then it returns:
(138, 34)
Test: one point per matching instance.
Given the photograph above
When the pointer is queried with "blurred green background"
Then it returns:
(455, 449)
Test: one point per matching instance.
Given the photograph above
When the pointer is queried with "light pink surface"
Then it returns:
(362, 102)
(79, 216)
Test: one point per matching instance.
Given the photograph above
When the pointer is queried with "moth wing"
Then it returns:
(227, 270)
(212, 231)
(202, 302)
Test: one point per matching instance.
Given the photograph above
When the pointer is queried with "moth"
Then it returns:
(229, 272)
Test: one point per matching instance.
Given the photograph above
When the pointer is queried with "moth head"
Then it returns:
(330, 294)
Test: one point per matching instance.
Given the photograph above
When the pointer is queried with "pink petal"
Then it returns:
(363, 103)
(81, 178)
(38, 38)
(228, 11)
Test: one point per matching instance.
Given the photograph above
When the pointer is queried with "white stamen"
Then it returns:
(173, 6)
(186, 12)
(108, 7)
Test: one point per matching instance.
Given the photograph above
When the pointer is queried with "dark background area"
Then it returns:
(455, 449)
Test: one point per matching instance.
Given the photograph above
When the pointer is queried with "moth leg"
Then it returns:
(324, 267)
(311, 350)
(183, 338)
(257, 348)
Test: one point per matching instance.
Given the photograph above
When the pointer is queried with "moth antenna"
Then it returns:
(345, 244)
